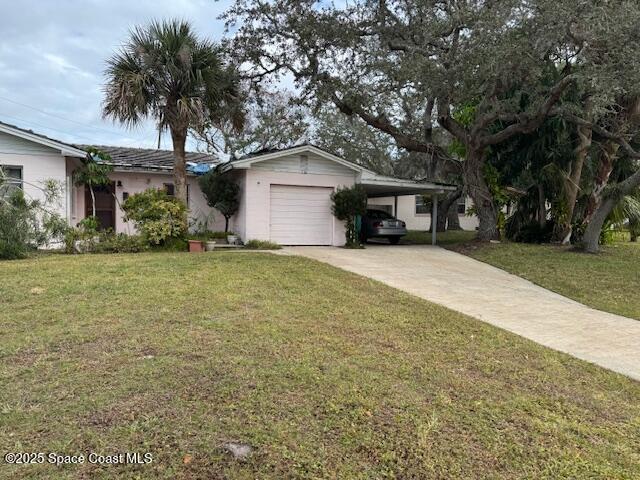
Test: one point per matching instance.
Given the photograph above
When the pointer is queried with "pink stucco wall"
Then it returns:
(255, 214)
(135, 182)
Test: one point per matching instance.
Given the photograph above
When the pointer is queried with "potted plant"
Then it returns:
(232, 239)
(210, 245)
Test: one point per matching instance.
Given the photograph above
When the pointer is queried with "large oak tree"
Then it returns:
(480, 67)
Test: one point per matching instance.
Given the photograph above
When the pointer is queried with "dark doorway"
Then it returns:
(105, 205)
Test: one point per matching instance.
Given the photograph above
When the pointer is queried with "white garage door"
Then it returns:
(301, 215)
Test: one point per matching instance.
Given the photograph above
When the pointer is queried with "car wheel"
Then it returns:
(394, 240)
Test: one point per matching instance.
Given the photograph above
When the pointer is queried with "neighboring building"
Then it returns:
(285, 195)
(415, 211)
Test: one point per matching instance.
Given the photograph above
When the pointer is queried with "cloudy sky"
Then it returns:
(52, 59)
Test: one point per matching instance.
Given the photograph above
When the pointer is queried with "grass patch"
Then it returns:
(324, 373)
(609, 281)
(261, 245)
(452, 237)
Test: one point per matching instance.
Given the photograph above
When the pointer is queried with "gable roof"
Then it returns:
(148, 158)
(66, 149)
(263, 155)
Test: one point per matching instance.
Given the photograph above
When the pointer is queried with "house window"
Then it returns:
(11, 179)
(462, 206)
(171, 190)
(423, 205)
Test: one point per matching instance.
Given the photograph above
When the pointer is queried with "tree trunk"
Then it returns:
(591, 237)
(93, 200)
(634, 229)
(179, 138)
(607, 158)
(452, 218)
(444, 206)
(563, 228)
(226, 224)
(484, 204)
(542, 206)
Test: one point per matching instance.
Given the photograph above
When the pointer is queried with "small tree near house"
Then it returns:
(348, 202)
(222, 193)
(93, 173)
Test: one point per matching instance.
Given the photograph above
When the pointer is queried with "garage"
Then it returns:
(301, 215)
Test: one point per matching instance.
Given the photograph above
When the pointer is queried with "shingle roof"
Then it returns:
(266, 151)
(148, 158)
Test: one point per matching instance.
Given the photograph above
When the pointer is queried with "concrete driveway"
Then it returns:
(496, 297)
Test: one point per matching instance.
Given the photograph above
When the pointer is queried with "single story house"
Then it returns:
(285, 194)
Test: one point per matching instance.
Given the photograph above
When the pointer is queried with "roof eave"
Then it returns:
(65, 150)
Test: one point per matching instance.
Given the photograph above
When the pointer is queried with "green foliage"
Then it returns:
(273, 121)
(26, 224)
(156, 215)
(261, 245)
(85, 239)
(120, 243)
(160, 66)
(222, 193)
(92, 173)
(352, 138)
(531, 232)
(15, 227)
(89, 224)
(348, 202)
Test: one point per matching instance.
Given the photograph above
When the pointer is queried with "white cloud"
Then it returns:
(53, 58)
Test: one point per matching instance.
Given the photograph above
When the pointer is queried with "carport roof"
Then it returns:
(380, 186)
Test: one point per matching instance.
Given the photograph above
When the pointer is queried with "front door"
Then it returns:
(105, 205)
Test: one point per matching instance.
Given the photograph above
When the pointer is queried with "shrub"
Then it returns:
(222, 193)
(103, 242)
(209, 235)
(15, 229)
(27, 224)
(120, 243)
(157, 216)
(262, 245)
(347, 203)
(530, 232)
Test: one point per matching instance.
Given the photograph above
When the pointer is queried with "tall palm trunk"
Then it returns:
(179, 139)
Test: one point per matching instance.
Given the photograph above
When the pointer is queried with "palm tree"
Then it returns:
(167, 73)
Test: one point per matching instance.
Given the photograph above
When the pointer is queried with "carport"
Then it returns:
(378, 186)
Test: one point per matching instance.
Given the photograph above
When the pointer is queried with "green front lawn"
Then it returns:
(609, 281)
(443, 239)
(324, 373)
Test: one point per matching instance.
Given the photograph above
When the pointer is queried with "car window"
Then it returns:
(378, 214)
